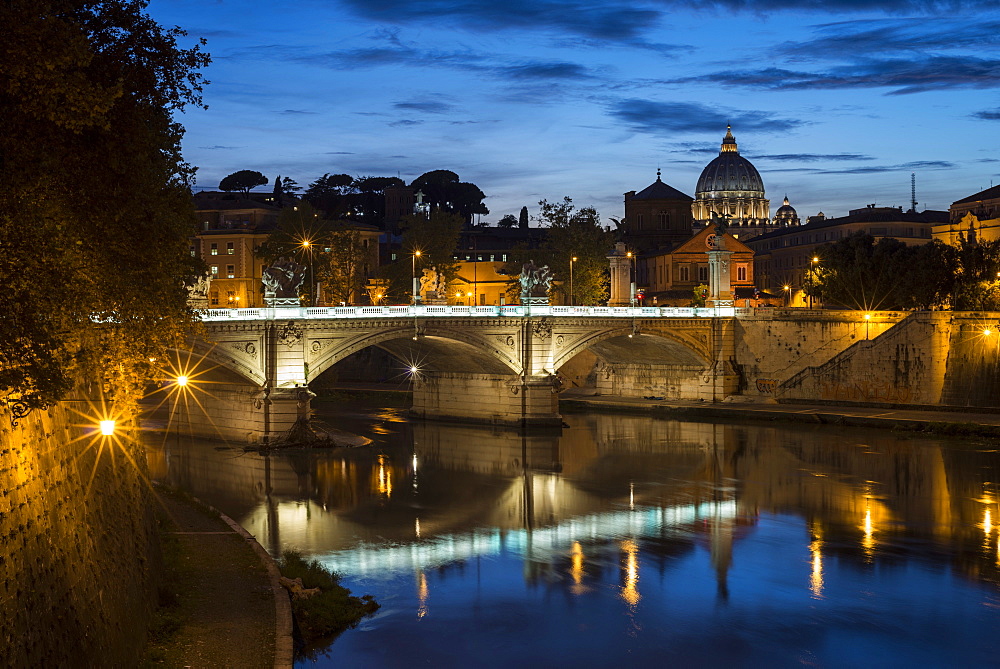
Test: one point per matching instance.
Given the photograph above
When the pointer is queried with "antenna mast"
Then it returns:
(913, 192)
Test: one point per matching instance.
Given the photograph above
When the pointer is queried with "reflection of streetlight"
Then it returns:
(416, 284)
(571, 296)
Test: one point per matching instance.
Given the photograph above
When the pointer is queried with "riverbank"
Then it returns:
(944, 420)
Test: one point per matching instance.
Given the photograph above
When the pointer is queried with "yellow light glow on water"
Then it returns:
(816, 577)
(631, 496)
(987, 521)
(107, 427)
(384, 478)
(868, 542)
(423, 592)
(630, 592)
(576, 570)
(416, 527)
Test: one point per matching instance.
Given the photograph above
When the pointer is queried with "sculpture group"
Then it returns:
(535, 281)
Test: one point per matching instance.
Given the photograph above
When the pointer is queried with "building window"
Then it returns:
(215, 270)
(231, 271)
(663, 219)
(685, 273)
(194, 253)
(638, 222)
(230, 250)
(741, 273)
(215, 249)
(703, 274)
(214, 298)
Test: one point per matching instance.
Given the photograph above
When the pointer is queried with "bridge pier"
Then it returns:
(240, 413)
(499, 399)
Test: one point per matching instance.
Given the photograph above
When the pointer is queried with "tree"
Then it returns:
(859, 273)
(977, 279)
(242, 181)
(576, 233)
(508, 221)
(522, 221)
(329, 194)
(436, 237)
(368, 200)
(442, 189)
(95, 212)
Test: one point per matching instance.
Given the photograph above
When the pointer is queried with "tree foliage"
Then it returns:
(508, 221)
(243, 181)
(443, 190)
(436, 237)
(576, 233)
(857, 272)
(96, 210)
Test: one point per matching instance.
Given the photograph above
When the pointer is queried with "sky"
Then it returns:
(835, 102)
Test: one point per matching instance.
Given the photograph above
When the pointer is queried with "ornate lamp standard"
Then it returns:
(572, 300)
(307, 245)
(416, 282)
(788, 293)
(812, 278)
(631, 286)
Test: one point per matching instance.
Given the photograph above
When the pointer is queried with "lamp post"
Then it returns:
(631, 286)
(572, 297)
(416, 283)
(788, 293)
(868, 319)
(307, 245)
(812, 278)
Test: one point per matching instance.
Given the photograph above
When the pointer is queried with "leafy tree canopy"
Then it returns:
(243, 181)
(444, 190)
(95, 212)
(508, 221)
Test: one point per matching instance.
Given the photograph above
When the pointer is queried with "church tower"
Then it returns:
(730, 185)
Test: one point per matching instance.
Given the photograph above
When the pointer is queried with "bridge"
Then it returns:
(502, 365)
(506, 365)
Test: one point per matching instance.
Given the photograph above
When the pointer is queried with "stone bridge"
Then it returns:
(502, 365)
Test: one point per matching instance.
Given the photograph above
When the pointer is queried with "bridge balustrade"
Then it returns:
(444, 311)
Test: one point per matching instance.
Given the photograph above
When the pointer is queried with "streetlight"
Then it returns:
(416, 283)
(812, 278)
(631, 276)
(307, 245)
(868, 318)
(571, 295)
(788, 293)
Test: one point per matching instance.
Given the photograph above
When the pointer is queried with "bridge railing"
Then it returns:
(451, 311)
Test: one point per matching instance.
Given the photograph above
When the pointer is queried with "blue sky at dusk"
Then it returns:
(834, 102)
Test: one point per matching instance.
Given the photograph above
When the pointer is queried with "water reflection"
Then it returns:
(661, 516)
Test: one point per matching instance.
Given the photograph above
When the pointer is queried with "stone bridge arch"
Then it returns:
(433, 346)
(656, 344)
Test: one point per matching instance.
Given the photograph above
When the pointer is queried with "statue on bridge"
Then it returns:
(535, 283)
(433, 284)
(282, 280)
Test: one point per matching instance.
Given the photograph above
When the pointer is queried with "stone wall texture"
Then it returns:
(79, 553)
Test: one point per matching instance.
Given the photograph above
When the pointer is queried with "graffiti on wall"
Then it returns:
(864, 391)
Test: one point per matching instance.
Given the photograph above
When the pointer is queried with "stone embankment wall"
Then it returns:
(79, 553)
(921, 358)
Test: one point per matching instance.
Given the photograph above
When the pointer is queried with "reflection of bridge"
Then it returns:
(501, 365)
(543, 544)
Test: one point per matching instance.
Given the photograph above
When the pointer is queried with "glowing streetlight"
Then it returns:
(572, 299)
(182, 381)
(788, 293)
(107, 427)
(307, 245)
(416, 282)
(812, 277)
(631, 287)
(868, 318)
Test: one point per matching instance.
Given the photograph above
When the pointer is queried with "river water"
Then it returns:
(630, 540)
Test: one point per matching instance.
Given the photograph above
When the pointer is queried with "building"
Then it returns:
(231, 227)
(668, 278)
(730, 185)
(974, 217)
(657, 217)
(785, 257)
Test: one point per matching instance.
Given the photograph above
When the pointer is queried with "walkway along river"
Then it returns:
(631, 539)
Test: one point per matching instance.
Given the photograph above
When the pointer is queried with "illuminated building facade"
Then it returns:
(975, 217)
(730, 185)
(657, 217)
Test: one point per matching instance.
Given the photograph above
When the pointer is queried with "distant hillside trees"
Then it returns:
(243, 181)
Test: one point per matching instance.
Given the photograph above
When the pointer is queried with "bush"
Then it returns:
(321, 618)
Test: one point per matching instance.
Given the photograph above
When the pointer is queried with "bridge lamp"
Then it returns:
(631, 267)
(307, 245)
(788, 293)
(107, 427)
(416, 282)
(571, 296)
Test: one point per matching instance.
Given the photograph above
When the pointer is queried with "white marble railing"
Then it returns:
(446, 311)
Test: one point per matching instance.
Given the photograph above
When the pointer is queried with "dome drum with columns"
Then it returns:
(730, 185)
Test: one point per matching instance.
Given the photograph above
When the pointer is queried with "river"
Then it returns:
(630, 540)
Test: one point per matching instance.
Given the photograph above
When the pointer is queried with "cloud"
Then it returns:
(988, 114)
(893, 36)
(813, 157)
(428, 107)
(913, 75)
(608, 20)
(405, 122)
(879, 169)
(338, 153)
(662, 118)
(219, 147)
(838, 6)
(295, 111)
